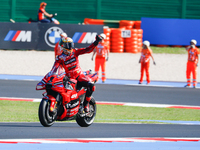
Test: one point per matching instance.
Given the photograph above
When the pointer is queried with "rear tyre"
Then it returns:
(46, 117)
(88, 119)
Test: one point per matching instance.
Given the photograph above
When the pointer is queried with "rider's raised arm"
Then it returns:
(90, 48)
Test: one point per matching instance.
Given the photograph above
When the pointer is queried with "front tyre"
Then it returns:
(46, 117)
(88, 119)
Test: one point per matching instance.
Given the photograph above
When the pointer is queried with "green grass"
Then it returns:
(17, 111)
(107, 113)
(168, 50)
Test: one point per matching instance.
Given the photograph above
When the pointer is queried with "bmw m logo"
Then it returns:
(52, 36)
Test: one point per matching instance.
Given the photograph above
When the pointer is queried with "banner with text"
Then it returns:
(18, 36)
(82, 35)
(40, 36)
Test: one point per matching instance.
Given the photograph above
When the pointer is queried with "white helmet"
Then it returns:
(103, 35)
(63, 34)
(147, 43)
(193, 41)
(63, 38)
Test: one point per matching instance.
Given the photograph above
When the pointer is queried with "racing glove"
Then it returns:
(98, 39)
(154, 62)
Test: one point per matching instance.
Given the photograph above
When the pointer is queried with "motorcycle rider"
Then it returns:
(42, 12)
(70, 62)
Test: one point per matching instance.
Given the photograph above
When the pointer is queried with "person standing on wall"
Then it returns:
(146, 53)
(42, 12)
(58, 49)
(192, 63)
(102, 55)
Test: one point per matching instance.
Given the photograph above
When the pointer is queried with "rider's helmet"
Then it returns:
(147, 43)
(63, 37)
(68, 45)
(193, 41)
(43, 4)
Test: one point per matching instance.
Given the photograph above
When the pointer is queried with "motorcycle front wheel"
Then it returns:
(88, 119)
(46, 117)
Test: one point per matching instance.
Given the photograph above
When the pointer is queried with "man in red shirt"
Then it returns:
(70, 62)
(102, 55)
(192, 63)
(42, 12)
(146, 53)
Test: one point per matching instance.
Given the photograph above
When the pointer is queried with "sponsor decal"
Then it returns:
(126, 34)
(52, 36)
(74, 95)
(70, 61)
(70, 68)
(72, 104)
(18, 36)
(84, 37)
(72, 111)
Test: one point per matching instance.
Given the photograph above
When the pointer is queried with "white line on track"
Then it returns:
(114, 103)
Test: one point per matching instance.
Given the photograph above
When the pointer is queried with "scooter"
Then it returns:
(52, 19)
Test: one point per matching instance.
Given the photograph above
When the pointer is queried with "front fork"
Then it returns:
(53, 102)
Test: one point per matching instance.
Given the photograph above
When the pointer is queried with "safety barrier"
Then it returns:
(126, 38)
(126, 24)
(117, 42)
(134, 43)
(107, 32)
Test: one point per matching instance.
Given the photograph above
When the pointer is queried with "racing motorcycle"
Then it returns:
(52, 106)
(52, 19)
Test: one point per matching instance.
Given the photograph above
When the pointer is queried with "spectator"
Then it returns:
(192, 63)
(42, 12)
(145, 61)
(102, 55)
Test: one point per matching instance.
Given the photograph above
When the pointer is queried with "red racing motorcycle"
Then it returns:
(52, 107)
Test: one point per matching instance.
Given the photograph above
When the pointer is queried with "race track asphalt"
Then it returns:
(96, 130)
(113, 93)
(105, 92)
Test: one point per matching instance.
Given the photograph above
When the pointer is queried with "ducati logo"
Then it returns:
(52, 36)
(74, 96)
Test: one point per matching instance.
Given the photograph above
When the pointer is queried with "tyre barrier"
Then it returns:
(137, 25)
(131, 44)
(117, 42)
(107, 32)
(134, 43)
(93, 21)
(126, 24)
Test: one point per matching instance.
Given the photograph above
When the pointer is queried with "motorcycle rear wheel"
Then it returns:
(89, 118)
(46, 117)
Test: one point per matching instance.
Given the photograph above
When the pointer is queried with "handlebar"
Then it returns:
(54, 14)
